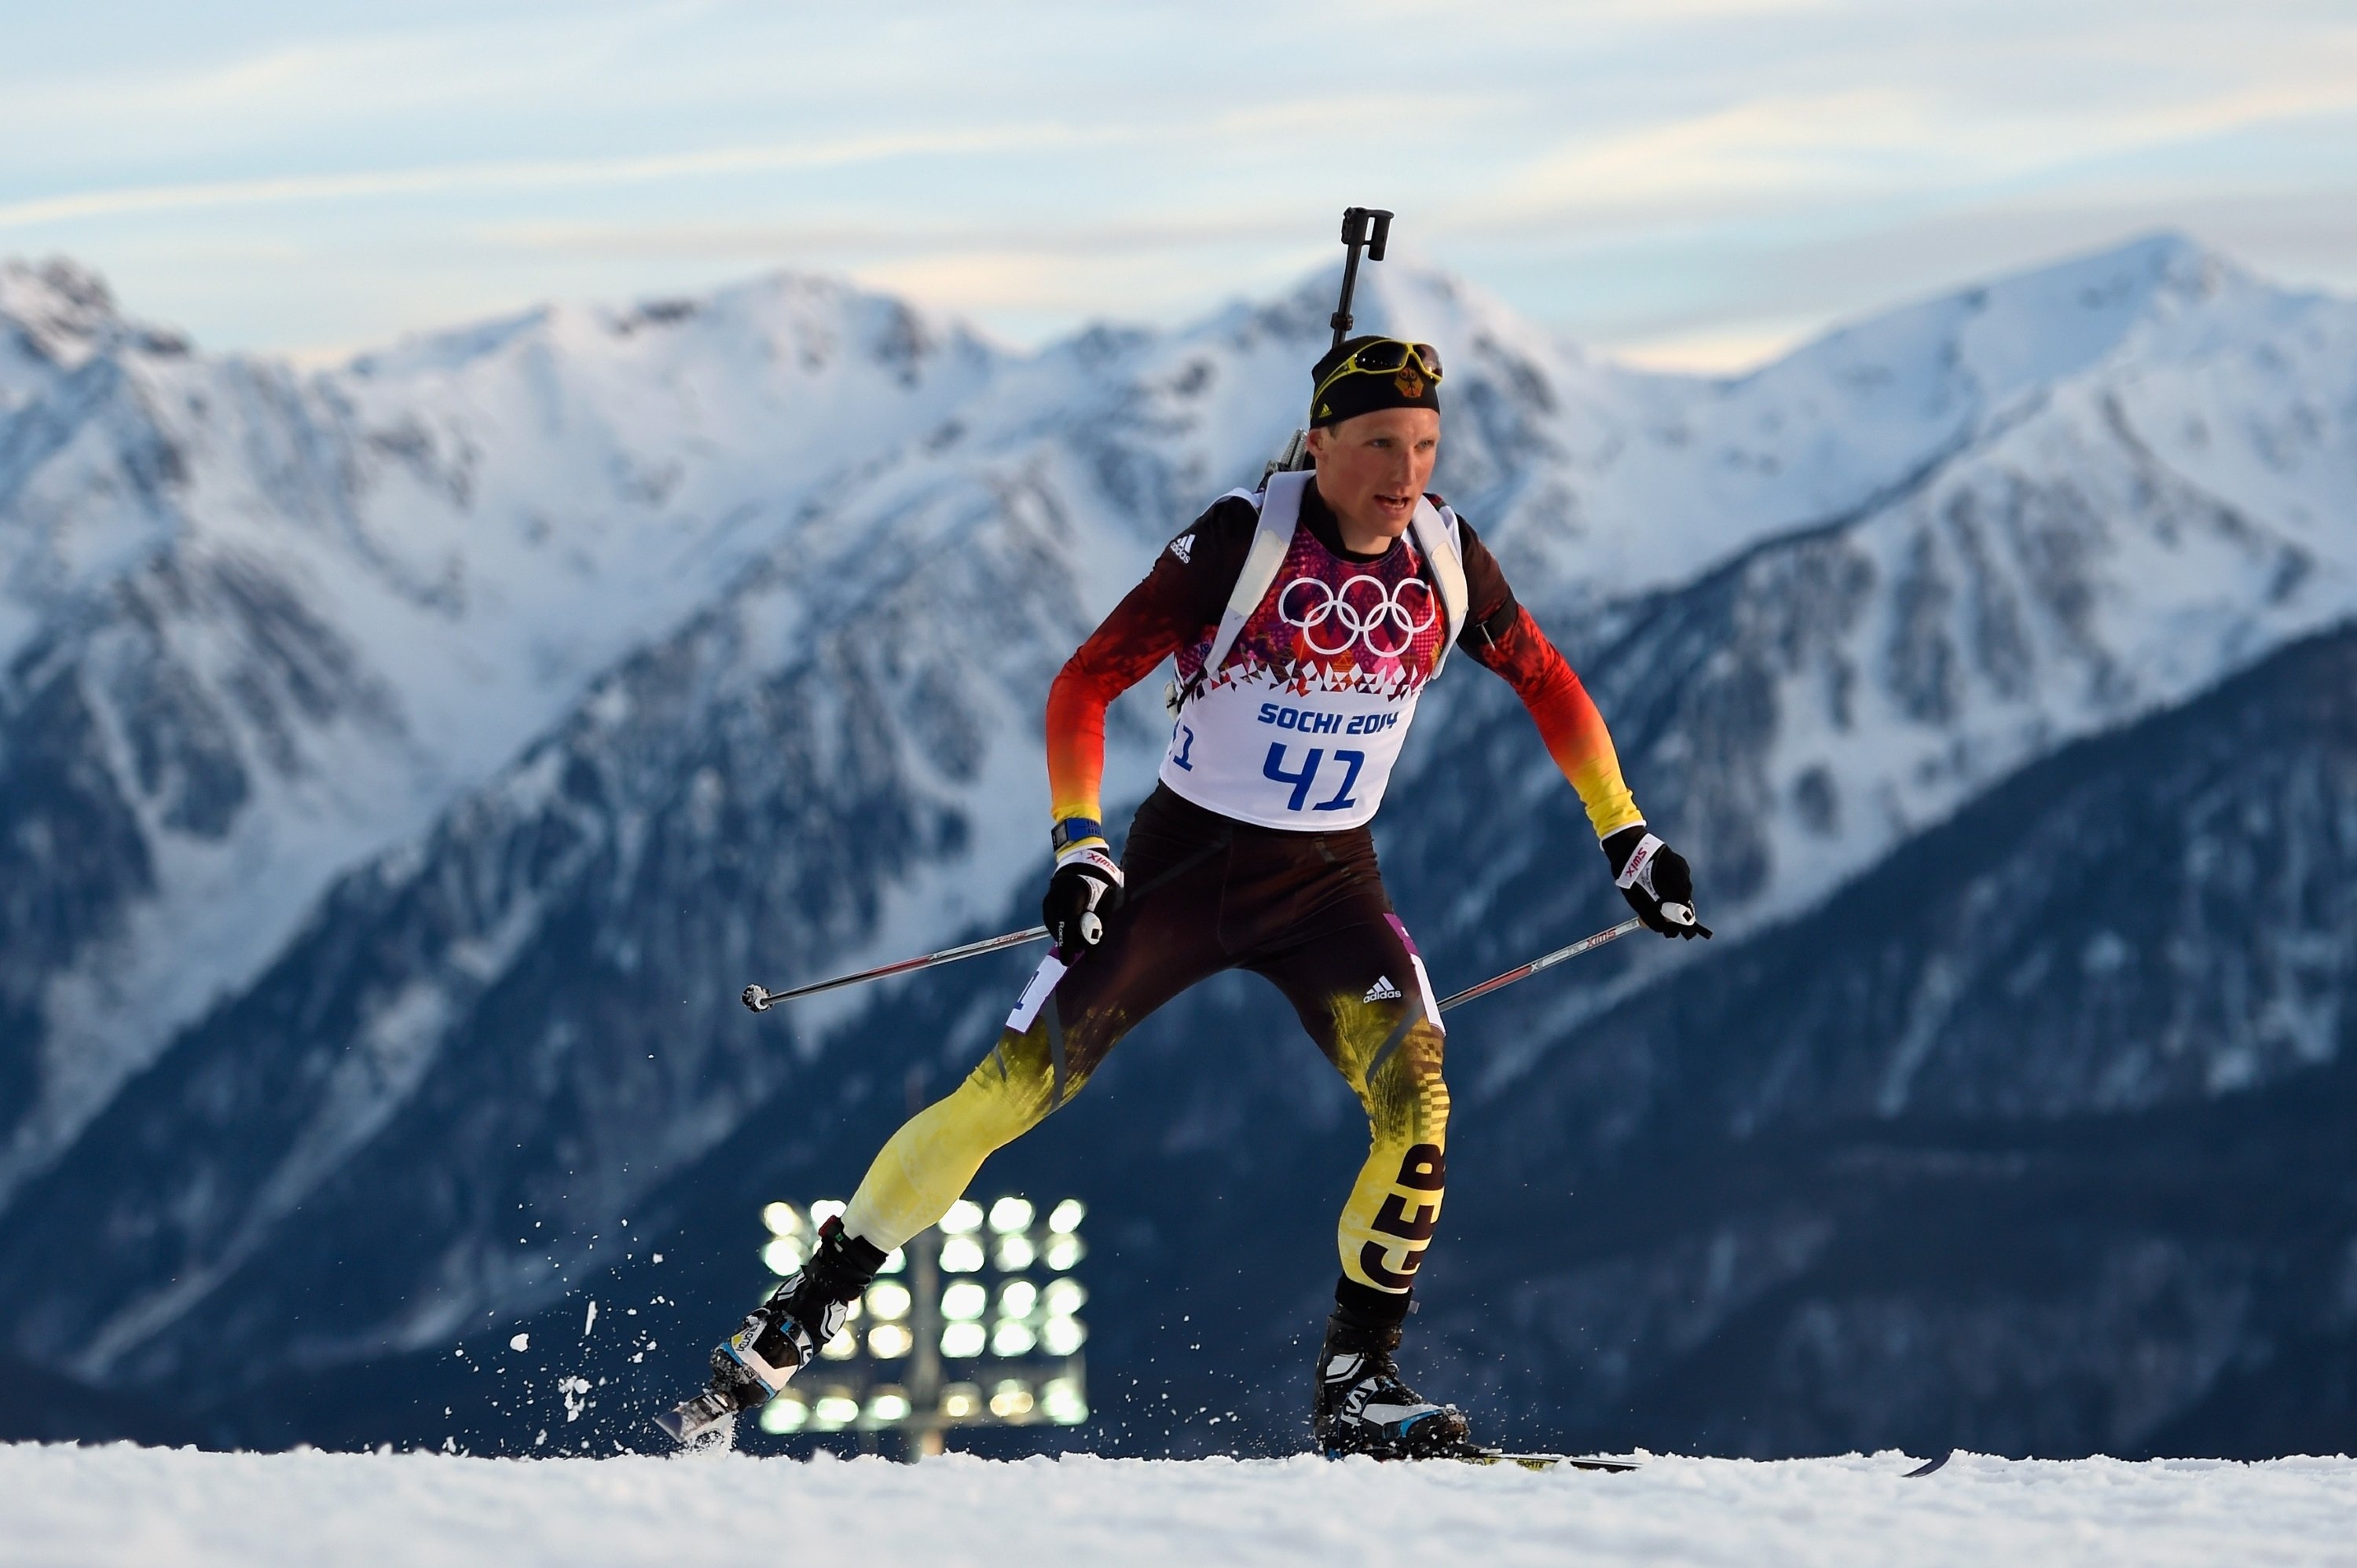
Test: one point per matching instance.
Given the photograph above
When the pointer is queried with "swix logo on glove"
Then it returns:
(1638, 872)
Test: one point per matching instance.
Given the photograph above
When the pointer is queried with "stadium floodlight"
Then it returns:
(1063, 1402)
(977, 1323)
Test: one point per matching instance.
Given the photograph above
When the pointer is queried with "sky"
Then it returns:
(1696, 183)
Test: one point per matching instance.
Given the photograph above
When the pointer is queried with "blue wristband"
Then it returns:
(1072, 831)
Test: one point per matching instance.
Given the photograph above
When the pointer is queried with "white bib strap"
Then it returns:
(1435, 536)
(1280, 513)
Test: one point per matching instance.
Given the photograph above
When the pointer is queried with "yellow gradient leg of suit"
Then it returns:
(1306, 910)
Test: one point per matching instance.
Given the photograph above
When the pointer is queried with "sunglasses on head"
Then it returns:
(1384, 357)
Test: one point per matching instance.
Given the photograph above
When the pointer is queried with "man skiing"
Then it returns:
(1305, 621)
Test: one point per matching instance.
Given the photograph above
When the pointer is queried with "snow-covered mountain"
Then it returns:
(402, 766)
(260, 629)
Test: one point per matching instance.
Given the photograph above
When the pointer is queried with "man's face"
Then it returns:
(1372, 469)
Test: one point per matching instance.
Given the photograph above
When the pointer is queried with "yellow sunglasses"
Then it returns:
(1385, 357)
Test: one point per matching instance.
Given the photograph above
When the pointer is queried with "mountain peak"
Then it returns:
(64, 310)
(2028, 328)
(66, 314)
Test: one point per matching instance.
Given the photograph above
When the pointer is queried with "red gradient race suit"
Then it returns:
(1253, 853)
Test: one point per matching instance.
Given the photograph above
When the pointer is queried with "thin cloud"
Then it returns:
(545, 174)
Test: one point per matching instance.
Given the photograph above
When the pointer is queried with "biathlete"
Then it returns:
(1305, 621)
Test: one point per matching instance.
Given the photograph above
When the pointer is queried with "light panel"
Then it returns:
(1063, 1402)
(996, 1291)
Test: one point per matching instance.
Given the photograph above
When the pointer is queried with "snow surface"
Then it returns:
(133, 1505)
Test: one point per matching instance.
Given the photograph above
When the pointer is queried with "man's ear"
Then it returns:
(1317, 441)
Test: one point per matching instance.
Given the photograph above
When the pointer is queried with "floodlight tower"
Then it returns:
(925, 1320)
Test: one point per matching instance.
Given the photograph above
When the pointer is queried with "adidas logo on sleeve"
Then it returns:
(1183, 547)
(1382, 989)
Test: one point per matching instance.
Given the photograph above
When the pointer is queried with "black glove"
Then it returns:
(1656, 881)
(1085, 888)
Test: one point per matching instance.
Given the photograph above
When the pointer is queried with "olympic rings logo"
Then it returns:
(1372, 618)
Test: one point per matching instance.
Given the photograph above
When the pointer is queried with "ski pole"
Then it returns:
(1546, 961)
(760, 1001)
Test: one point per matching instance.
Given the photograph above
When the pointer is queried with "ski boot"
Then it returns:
(778, 1338)
(1362, 1406)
